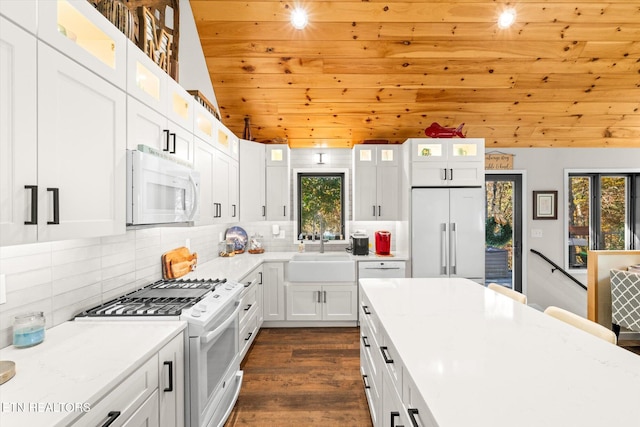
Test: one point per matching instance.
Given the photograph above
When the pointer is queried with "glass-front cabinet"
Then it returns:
(78, 30)
(376, 178)
(447, 161)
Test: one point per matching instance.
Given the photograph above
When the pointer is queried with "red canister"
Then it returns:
(383, 242)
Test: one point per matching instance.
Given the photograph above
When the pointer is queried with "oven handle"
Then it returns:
(211, 335)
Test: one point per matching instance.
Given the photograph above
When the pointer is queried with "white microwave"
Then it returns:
(160, 190)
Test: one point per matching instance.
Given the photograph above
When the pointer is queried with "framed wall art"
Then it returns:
(545, 205)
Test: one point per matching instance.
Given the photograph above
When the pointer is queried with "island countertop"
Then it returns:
(479, 358)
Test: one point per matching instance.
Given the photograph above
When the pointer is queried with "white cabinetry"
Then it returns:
(21, 12)
(273, 285)
(171, 383)
(324, 302)
(437, 162)
(18, 137)
(81, 151)
(218, 184)
(77, 29)
(252, 181)
(251, 314)
(278, 182)
(376, 182)
(153, 395)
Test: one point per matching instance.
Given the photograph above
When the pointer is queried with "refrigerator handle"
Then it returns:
(454, 248)
(443, 250)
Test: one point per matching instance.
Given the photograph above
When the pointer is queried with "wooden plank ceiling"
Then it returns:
(566, 74)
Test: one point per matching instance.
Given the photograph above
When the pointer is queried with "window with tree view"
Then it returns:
(603, 214)
(321, 205)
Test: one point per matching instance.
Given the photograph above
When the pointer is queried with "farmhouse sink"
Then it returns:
(336, 267)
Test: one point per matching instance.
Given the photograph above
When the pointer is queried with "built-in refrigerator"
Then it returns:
(447, 232)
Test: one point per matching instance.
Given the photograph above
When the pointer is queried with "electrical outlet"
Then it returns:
(3, 289)
(536, 232)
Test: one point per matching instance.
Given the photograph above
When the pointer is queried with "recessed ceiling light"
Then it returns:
(299, 18)
(507, 18)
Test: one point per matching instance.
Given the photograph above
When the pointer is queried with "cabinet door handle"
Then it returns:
(374, 210)
(173, 151)
(260, 282)
(412, 416)
(379, 211)
(324, 297)
(248, 336)
(166, 140)
(365, 341)
(34, 204)
(234, 211)
(365, 308)
(385, 354)
(284, 211)
(111, 417)
(170, 365)
(443, 249)
(366, 382)
(394, 414)
(264, 210)
(56, 205)
(451, 174)
(318, 299)
(443, 174)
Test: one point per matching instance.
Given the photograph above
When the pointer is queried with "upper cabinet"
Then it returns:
(437, 162)
(21, 12)
(376, 182)
(18, 135)
(81, 151)
(252, 181)
(77, 29)
(277, 182)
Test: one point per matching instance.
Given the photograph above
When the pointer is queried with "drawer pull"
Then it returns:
(111, 417)
(248, 307)
(365, 308)
(248, 336)
(385, 354)
(366, 382)
(170, 365)
(365, 341)
(412, 416)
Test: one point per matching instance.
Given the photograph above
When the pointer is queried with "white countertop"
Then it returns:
(238, 266)
(77, 363)
(480, 359)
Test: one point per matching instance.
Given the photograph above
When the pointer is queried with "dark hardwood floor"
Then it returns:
(302, 377)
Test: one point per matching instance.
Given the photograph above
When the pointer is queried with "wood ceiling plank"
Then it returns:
(418, 31)
(346, 81)
(297, 95)
(522, 95)
(577, 81)
(394, 49)
(407, 12)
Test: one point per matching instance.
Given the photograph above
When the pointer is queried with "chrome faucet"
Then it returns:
(318, 217)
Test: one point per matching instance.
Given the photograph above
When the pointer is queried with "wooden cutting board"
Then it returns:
(178, 262)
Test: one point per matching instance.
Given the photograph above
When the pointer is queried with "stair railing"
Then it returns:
(560, 269)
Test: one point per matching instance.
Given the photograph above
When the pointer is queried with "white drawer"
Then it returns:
(417, 408)
(248, 333)
(368, 316)
(125, 398)
(248, 303)
(374, 398)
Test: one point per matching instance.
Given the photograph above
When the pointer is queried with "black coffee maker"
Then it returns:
(359, 244)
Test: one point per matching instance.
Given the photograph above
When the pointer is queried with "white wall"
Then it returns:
(545, 170)
(193, 73)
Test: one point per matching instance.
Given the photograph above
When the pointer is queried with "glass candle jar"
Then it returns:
(28, 329)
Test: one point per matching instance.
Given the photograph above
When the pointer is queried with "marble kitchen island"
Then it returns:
(464, 355)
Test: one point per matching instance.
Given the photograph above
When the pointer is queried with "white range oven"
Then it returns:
(211, 309)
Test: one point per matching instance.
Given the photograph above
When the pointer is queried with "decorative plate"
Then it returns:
(238, 236)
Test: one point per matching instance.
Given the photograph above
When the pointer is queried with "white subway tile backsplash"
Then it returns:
(20, 264)
(76, 254)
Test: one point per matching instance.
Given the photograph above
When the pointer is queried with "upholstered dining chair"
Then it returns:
(580, 322)
(514, 295)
